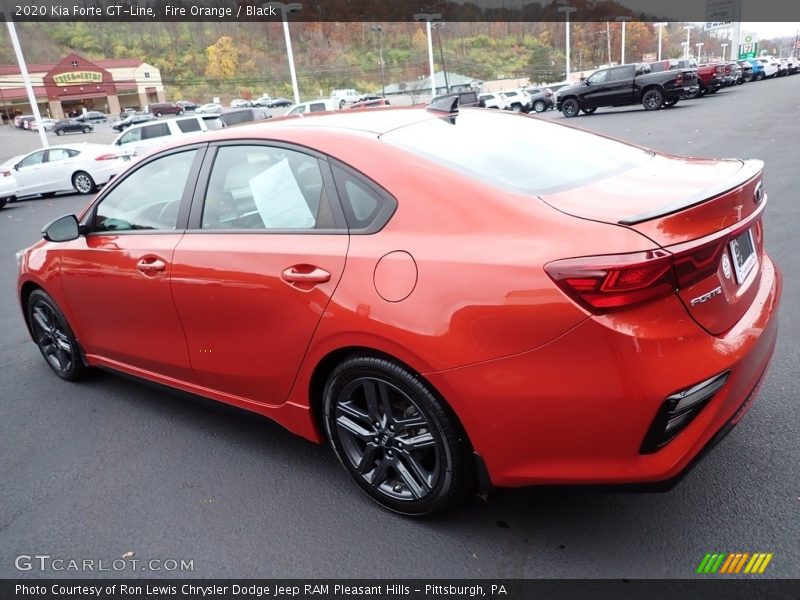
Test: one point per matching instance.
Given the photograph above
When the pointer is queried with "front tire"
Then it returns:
(59, 132)
(83, 182)
(539, 106)
(652, 99)
(87, 130)
(570, 108)
(395, 438)
(54, 337)
(158, 115)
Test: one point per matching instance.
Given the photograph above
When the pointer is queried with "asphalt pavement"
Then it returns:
(109, 466)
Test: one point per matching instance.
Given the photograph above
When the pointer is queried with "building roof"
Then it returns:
(111, 63)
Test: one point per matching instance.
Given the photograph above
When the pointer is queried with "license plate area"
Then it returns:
(743, 252)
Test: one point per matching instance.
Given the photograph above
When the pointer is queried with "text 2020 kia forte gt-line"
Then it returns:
(441, 314)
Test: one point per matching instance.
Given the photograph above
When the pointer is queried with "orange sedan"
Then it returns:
(450, 299)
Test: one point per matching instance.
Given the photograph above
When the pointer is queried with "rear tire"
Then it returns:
(83, 182)
(539, 106)
(87, 130)
(395, 438)
(652, 99)
(570, 108)
(59, 132)
(54, 337)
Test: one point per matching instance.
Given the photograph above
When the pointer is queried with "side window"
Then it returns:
(188, 125)
(317, 107)
(156, 130)
(58, 154)
(599, 77)
(148, 198)
(297, 110)
(133, 135)
(34, 159)
(263, 187)
(364, 207)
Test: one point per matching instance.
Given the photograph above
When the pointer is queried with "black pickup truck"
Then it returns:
(621, 86)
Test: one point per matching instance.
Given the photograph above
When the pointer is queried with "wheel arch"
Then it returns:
(326, 365)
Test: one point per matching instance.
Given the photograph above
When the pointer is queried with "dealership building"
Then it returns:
(76, 83)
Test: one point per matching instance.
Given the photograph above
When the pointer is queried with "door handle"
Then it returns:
(305, 274)
(151, 266)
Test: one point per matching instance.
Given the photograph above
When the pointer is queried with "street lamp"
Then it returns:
(688, 29)
(723, 51)
(622, 49)
(286, 10)
(26, 79)
(699, 50)
(379, 31)
(438, 27)
(660, 27)
(567, 10)
(429, 18)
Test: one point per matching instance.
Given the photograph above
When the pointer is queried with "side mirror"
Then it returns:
(583, 78)
(63, 229)
(16, 166)
(118, 142)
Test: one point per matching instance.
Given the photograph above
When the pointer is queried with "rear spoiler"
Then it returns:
(750, 168)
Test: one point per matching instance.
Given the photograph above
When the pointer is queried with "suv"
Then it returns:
(165, 108)
(140, 139)
(517, 100)
(492, 100)
(541, 98)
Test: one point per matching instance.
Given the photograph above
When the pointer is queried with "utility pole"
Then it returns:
(379, 31)
(438, 27)
(567, 10)
(622, 45)
(660, 27)
(429, 18)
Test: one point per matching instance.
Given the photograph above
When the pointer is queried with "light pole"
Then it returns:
(379, 31)
(429, 18)
(699, 50)
(438, 27)
(26, 79)
(285, 10)
(660, 27)
(567, 10)
(688, 29)
(622, 45)
(723, 51)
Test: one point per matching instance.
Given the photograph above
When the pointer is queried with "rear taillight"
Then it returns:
(603, 284)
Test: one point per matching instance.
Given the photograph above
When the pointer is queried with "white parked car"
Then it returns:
(494, 100)
(770, 66)
(517, 100)
(239, 103)
(140, 139)
(8, 184)
(313, 106)
(211, 108)
(67, 168)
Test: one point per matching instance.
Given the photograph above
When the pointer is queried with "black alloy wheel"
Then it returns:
(570, 108)
(652, 100)
(54, 337)
(394, 437)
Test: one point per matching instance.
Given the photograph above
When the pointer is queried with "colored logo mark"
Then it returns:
(734, 562)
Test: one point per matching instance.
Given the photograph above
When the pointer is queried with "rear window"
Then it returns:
(520, 153)
(188, 125)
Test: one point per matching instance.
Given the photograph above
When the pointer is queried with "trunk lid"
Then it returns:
(706, 213)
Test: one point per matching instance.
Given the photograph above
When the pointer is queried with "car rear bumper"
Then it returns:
(576, 411)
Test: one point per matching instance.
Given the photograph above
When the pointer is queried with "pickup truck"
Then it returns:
(690, 83)
(710, 77)
(621, 86)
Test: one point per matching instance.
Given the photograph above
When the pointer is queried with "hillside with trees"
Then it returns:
(200, 60)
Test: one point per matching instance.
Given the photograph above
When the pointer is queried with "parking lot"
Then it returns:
(110, 466)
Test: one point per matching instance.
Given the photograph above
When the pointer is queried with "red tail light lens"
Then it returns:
(605, 283)
(109, 156)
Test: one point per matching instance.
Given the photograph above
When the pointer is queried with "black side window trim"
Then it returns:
(388, 202)
(198, 200)
(87, 222)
